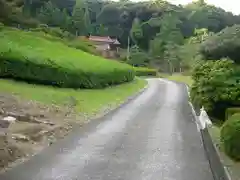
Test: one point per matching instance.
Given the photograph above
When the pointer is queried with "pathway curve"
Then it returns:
(154, 137)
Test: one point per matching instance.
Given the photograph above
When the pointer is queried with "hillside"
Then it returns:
(29, 57)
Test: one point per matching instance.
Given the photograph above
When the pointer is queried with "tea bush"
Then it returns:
(28, 57)
(232, 111)
(143, 71)
(230, 135)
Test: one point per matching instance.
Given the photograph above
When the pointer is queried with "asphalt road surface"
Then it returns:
(154, 137)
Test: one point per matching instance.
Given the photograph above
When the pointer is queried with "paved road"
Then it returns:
(154, 137)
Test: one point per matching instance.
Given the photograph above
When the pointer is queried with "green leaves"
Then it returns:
(215, 86)
(230, 134)
(224, 44)
(80, 18)
(32, 58)
(136, 31)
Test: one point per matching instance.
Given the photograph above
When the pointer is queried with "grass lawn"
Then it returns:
(178, 78)
(233, 167)
(87, 101)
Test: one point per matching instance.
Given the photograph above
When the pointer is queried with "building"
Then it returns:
(107, 46)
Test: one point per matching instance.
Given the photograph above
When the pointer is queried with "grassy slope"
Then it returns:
(27, 55)
(88, 101)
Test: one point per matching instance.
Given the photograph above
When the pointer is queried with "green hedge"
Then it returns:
(230, 136)
(231, 111)
(28, 57)
(1, 26)
(57, 34)
(143, 71)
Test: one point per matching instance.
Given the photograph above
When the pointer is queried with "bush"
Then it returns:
(142, 71)
(223, 44)
(138, 57)
(231, 111)
(53, 31)
(26, 56)
(1, 26)
(215, 86)
(230, 135)
(56, 34)
(83, 45)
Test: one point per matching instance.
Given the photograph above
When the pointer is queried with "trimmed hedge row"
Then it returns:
(57, 34)
(232, 111)
(143, 71)
(24, 56)
(230, 135)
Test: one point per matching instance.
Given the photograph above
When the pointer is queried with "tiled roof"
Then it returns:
(101, 39)
(115, 41)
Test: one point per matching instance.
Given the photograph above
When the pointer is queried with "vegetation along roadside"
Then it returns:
(51, 71)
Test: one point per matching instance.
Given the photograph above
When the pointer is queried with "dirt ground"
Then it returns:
(36, 127)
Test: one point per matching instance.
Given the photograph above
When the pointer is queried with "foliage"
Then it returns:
(224, 44)
(83, 45)
(189, 53)
(11, 14)
(143, 71)
(56, 34)
(117, 18)
(230, 134)
(215, 86)
(136, 31)
(138, 57)
(231, 111)
(80, 18)
(163, 46)
(1, 26)
(53, 31)
(50, 14)
(31, 58)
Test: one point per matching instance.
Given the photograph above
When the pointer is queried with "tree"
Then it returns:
(53, 16)
(163, 46)
(80, 17)
(136, 31)
(138, 57)
(226, 43)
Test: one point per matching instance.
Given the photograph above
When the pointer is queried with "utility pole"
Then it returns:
(128, 49)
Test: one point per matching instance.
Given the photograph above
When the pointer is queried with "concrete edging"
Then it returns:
(218, 169)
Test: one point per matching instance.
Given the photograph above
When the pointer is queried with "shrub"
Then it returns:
(231, 111)
(230, 135)
(215, 86)
(138, 57)
(56, 34)
(53, 31)
(143, 71)
(83, 45)
(1, 26)
(226, 43)
(28, 57)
